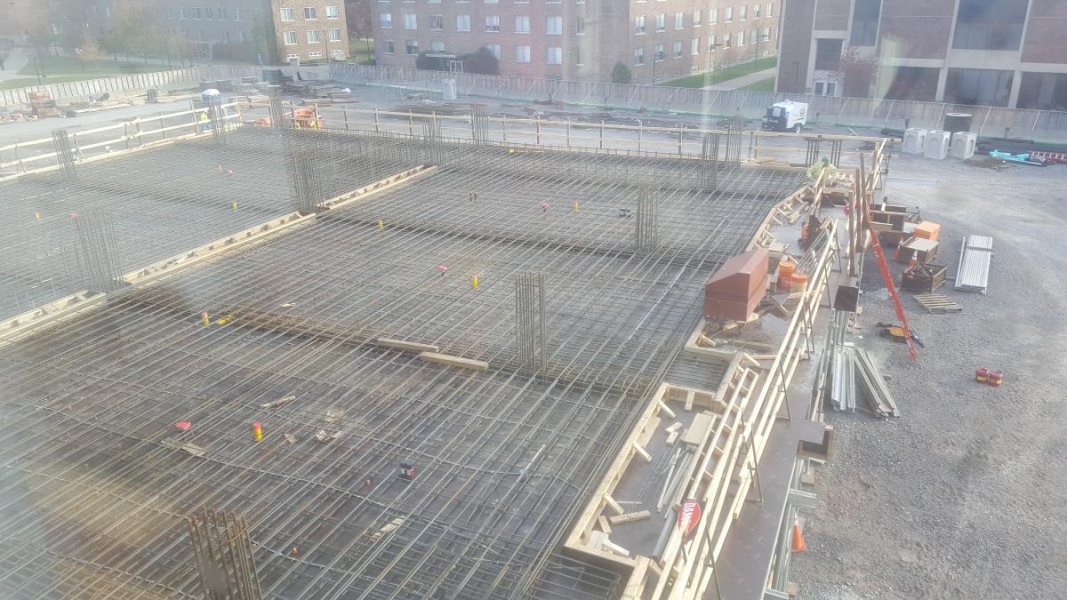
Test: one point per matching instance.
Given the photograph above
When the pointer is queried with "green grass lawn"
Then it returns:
(65, 69)
(358, 50)
(713, 77)
(765, 85)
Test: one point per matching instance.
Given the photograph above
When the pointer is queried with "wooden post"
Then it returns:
(679, 141)
(411, 127)
(126, 134)
(537, 125)
(640, 130)
(504, 129)
(377, 126)
(161, 126)
(137, 124)
(568, 134)
(344, 112)
(602, 135)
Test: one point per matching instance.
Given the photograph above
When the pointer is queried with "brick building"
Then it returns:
(985, 52)
(580, 39)
(296, 29)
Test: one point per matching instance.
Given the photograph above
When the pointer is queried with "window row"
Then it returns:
(487, 1)
(223, 13)
(696, 19)
(310, 13)
(553, 54)
(314, 36)
(553, 25)
(713, 44)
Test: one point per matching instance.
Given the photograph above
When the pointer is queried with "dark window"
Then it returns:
(986, 87)
(989, 24)
(1045, 91)
(865, 22)
(913, 83)
(828, 55)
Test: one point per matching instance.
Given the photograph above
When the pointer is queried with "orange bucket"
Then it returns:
(800, 282)
(785, 273)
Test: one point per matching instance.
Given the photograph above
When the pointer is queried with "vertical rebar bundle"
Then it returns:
(646, 222)
(61, 140)
(733, 142)
(306, 177)
(531, 337)
(223, 554)
(97, 252)
(277, 112)
(218, 122)
(431, 136)
(811, 156)
(479, 125)
(709, 166)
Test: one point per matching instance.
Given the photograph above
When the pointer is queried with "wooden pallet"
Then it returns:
(938, 303)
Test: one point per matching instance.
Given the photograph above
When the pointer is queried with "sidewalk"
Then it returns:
(742, 81)
(16, 60)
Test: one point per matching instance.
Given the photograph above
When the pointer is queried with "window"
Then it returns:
(553, 56)
(770, 9)
(286, 14)
(695, 49)
(711, 44)
(755, 11)
(411, 47)
(241, 37)
(989, 25)
(411, 22)
(579, 25)
(166, 12)
(639, 56)
(1043, 91)
(741, 13)
(107, 11)
(437, 46)
(196, 14)
(389, 47)
(639, 25)
(493, 49)
(463, 23)
(437, 22)
(332, 12)
(522, 24)
(492, 1)
(729, 14)
(223, 13)
(226, 36)
(978, 86)
(309, 13)
(726, 40)
(335, 35)
(661, 22)
(713, 16)
(659, 54)
(236, 14)
(385, 20)
(554, 25)
(677, 49)
(865, 22)
(740, 38)
(292, 57)
(679, 21)
(290, 38)
(314, 37)
(825, 88)
(576, 52)
(522, 54)
(492, 23)
(181, 13)
(96, 11)
(698, 17)
(314, 54)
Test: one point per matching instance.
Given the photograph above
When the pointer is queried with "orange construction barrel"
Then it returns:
(800, 282)
(785, 273)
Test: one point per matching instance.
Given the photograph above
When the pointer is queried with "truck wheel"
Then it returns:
(797, 128)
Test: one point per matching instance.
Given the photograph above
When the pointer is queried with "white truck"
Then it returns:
(786, 116)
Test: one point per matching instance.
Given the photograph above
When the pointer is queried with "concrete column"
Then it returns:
(942, 80)
(1016, 82)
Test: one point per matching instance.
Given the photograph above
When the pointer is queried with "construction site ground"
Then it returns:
(964, 496)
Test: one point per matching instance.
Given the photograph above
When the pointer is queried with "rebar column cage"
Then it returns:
(223, 554)
(531, 338)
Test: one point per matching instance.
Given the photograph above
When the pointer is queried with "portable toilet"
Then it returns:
(914, 141)
(449, 90)
(937, 144)
(963, 143)
(736, 289)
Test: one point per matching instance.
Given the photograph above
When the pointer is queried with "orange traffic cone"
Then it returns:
(798, 539)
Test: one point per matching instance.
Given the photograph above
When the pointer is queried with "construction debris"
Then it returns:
(640, 515)
(324, 438)
(938, 303)
(290, 438)
(184, 447)
(855, 376)
(972, 275)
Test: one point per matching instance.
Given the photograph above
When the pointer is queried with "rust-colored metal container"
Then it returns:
(735, 290)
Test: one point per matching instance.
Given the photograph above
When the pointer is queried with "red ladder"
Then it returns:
(883, 266)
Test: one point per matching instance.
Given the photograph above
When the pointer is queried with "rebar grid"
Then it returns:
(90, 403)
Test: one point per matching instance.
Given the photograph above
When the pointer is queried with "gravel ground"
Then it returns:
(965, 496)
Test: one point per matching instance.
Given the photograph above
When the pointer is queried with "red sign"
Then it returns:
(688, 517)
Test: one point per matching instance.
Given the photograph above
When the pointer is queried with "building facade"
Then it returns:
(1004, 53)
(306, 30)
(584, 40)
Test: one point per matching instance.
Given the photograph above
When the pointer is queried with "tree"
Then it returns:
(859, 70)
(264, 37)
(89, 51)
(621, 73)
(360, 18)
(481, 62)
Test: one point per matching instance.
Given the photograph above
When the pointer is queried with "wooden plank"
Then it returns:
(663, 406)
(673, 437)
(702, 422)
(406, 345)
(604, 525)
(649, 429)
(640, 515)
(454, 361)
(675, 427)
(689, 396)
(613, 547)
(613, 505)
(644, 453)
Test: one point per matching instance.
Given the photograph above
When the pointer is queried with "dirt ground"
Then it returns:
(965, 496)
